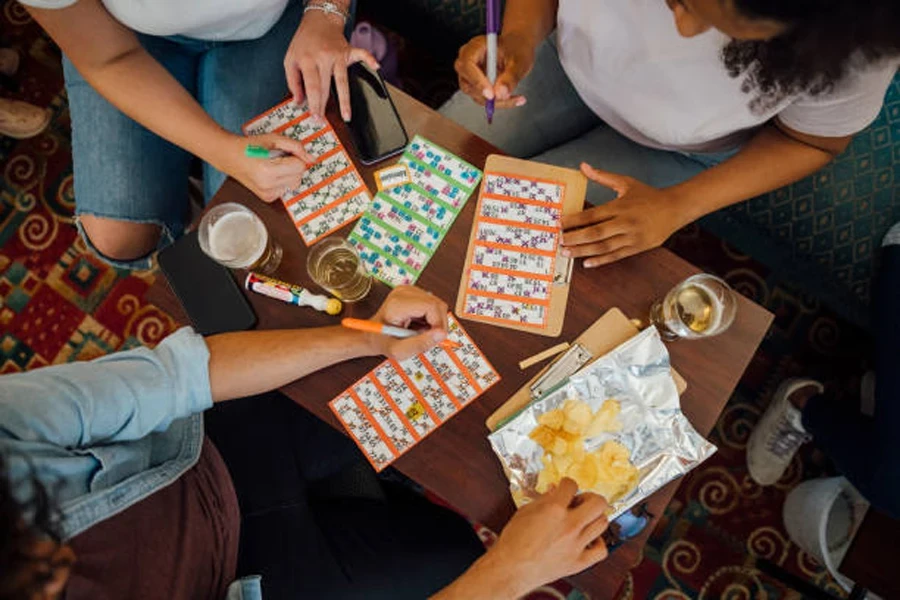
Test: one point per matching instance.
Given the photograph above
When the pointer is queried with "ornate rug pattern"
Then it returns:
(60, 304)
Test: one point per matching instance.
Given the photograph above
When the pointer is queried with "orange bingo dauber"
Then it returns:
(397, 332)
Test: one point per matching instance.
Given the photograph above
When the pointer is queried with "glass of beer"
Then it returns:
(335, 265)
(234, 236)
(700, 306)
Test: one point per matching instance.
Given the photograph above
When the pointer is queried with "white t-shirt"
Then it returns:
(630, 66)
(214, 20)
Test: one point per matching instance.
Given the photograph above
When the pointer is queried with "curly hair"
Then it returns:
(22, 524)
(824, 39)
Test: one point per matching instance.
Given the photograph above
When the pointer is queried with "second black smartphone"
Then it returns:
(375, 126)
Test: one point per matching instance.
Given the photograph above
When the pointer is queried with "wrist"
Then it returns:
(226, 150)
(504, 577)
(682, 201)
(326, 13)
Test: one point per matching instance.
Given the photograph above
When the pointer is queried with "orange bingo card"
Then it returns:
(331, 193)
(514, 276)
(396, 405)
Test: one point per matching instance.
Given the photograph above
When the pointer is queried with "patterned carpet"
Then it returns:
(59, 304)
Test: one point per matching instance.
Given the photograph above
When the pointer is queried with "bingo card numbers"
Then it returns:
(514, 276)
(331, 192)
(396, 405)
(404, 225)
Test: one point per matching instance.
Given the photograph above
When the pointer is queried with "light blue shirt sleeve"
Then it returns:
(116, 398)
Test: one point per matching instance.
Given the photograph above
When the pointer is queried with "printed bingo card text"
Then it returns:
(331, 192)
(401, 230)
(513, 254)
(395, 406)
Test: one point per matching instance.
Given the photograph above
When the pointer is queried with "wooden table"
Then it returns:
(456, 462)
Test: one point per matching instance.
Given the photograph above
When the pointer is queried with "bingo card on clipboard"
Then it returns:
(514, 276)
(331, 192)
(404, 225)
(396, 405)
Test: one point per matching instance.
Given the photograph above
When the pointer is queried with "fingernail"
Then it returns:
(521, 101)
(438, 335)
(488, 93)
(566, 251)
(346, 117)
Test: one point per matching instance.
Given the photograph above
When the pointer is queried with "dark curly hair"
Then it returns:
(22, 524)
(823, 40)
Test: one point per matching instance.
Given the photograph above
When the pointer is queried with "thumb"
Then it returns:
(358, 54)
(617, 183)
(277, 141)
(406, 348)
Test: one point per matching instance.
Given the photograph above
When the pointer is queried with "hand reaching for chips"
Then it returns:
(561, 433)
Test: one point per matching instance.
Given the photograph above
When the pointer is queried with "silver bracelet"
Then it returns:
(327, 7)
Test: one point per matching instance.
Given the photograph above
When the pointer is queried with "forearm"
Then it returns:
(770, 160)
(487, 579)
(251, 362)
(111, 59)
(531, 19)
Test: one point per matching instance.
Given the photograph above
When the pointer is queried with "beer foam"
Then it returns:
(238, 238)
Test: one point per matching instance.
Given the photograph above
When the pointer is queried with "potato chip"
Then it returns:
(552, 419)
(561, 433)
(578, 417)
(606, 419)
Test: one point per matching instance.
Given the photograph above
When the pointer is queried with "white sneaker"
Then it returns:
(778, 435)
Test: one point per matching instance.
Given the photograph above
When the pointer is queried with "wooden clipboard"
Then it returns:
(573, 200)
(606, 334)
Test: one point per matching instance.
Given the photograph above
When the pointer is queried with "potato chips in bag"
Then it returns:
(615, 427)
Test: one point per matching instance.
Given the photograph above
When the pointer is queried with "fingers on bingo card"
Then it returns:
(304, 128)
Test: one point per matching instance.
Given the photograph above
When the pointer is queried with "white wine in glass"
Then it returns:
(700, 306)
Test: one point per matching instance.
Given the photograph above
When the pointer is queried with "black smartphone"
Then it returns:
(375, 127)
(206, 289)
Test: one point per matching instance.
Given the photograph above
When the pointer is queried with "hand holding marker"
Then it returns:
(397, 332)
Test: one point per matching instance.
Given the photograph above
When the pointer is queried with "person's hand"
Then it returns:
(515, 57)
(411, 308)
(554, 536)
(267, 178)
(641, 217)
(318, 52)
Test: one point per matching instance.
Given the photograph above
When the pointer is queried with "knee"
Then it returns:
(120, 240)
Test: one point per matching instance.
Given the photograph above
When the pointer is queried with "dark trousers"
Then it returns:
(317, 523)
(867, 449)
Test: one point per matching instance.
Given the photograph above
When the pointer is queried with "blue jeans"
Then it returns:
(866, 450)
(557, 128)
(125, 172)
